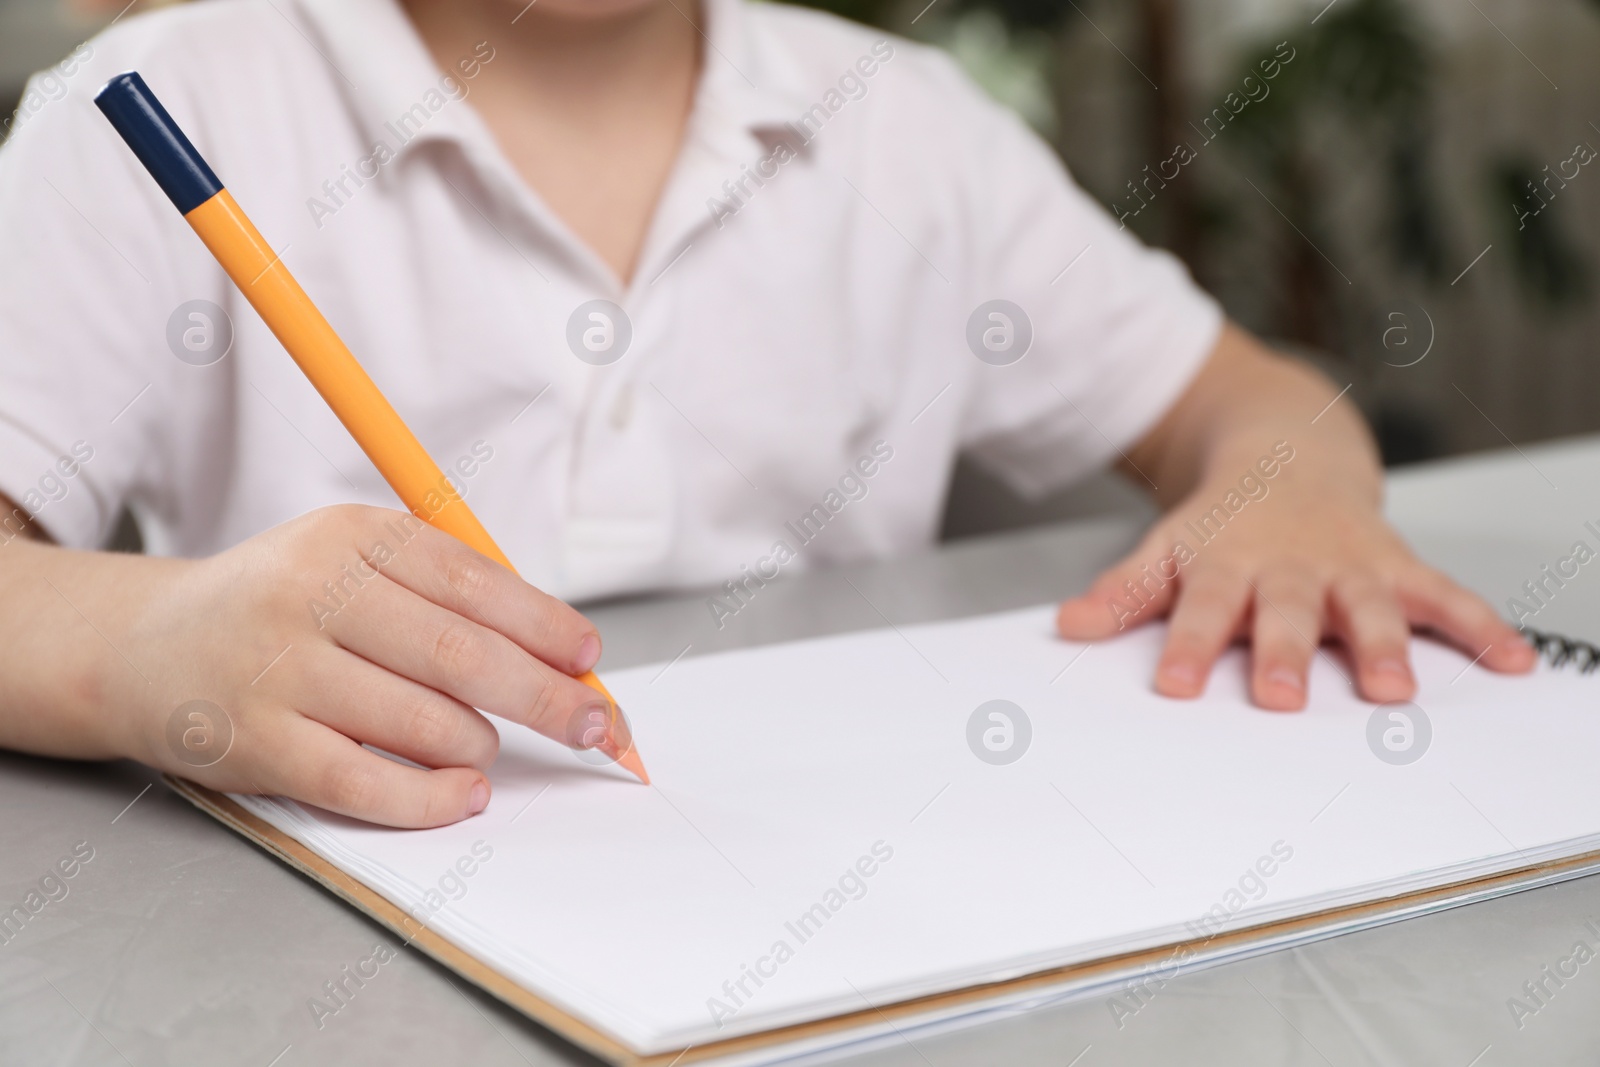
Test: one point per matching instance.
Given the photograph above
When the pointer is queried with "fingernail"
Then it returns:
(1182, 673)
(1394, 667)
(590, 725)
(588, 652)
(1520, 648)
(619, 736)
(479, 797)
(1285, 677)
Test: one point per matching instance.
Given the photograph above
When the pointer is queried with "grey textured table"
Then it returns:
(179, 943)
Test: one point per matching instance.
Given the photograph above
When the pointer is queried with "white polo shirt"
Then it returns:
(809, 339)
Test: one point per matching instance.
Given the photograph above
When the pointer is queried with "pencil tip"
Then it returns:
(630, 761)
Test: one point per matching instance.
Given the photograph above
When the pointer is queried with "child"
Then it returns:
(655, 282)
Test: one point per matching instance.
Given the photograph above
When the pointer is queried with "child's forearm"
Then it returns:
(62, 676)
(1245, 401)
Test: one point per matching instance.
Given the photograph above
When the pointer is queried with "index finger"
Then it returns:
(436, 566)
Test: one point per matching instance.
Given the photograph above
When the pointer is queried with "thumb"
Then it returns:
(1135, 590)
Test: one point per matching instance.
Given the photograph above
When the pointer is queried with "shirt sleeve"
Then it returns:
(1118, 329)
(85, 293)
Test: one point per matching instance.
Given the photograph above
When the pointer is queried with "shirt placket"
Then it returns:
(627, 487)
(624, 487)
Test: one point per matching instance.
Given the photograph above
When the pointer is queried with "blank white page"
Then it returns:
(1128, 818)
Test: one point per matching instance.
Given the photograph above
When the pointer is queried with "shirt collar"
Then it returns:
(745, 83)
(388, 71)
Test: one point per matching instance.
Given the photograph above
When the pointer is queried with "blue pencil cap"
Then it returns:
(158, 142)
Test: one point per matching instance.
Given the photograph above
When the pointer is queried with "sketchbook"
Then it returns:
(856, 836)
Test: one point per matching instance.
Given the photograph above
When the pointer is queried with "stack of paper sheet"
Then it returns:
(844, 822)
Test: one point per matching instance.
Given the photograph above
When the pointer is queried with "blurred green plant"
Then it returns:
(1550, 268)
(1357, 95)
(1013, 65)
(872, 12)
(1025, 14)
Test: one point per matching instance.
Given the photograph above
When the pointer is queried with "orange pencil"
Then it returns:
(263, 279)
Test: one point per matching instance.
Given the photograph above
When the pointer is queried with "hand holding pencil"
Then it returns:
(481, 620)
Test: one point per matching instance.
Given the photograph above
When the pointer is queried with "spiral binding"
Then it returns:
(1560, 651)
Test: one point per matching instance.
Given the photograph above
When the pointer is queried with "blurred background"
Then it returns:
(1411, 199)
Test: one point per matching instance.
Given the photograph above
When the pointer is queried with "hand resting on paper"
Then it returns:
(348, 625)
(1275, 536)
